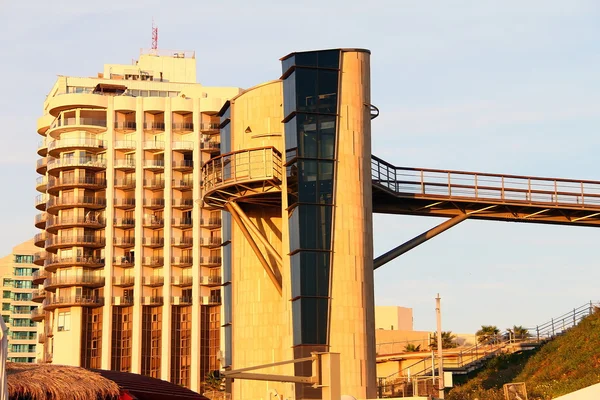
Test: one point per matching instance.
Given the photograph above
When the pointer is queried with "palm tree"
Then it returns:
(214, 381)
(519, 332)
(410, 348)
(448, 340)
(487, 333)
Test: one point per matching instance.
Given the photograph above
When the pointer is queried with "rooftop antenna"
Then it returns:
(154, 36)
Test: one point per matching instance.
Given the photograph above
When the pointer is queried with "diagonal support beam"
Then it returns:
(254, 247)
(257, 233)
(414, 242)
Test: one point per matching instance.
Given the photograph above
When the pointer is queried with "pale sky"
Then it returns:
(494, 86)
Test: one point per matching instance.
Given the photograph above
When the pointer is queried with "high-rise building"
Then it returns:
(132, 260)
(16, 272)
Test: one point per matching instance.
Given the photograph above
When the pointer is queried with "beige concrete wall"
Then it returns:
(393, 317)
(352, 319)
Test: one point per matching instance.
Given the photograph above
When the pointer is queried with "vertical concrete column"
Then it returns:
(109, 214)
(136, 334)
(165, 368)
(195, 378)
(352, 326)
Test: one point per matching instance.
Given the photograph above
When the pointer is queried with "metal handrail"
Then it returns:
(437, 183)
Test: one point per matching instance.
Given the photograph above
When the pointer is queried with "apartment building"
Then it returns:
(131, 256)
(16, 272)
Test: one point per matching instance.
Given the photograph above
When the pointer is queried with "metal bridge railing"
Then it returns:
(420, 182)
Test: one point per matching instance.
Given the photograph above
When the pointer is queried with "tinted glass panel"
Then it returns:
(288, 63)
(310, 274)
(291, 134)
(315, 226)
(327, 91)
(312, 315)
(329, 59)
(306, 90)
(289, 94)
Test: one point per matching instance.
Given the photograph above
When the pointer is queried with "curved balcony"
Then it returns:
(55, 262)
(153, 242)
(181, 281)
(72, 301)
(59, 203)
(61, 125)
(183, 165)
(183, 185)
(41, 184)
(153, 222)
(86, 182)
(39, 258)
(211, 242)
(154, 126)
(89, 163)
(55, 223)
(154, 146)
(153, 262)
(124, 164)
(125, 126)
(182, 241)
(75, 100)
(211, 146)
(124, 242)
(182, 261)
(183, 204)
(59, 242)
(212, 261)
(125, 103)
(38, 314)
(123, 281)
(38, 277)
(53, 281)
(38, 295)
(182, 223)
(125, 145)
(124, 204)
(152, 300)
(40, 220)
(153, 281)
(154, 165)
(124, 223)
(43, 124)
(125, 184)
(210, 223)
(209, 128)
(40, 201)
(55, 147)
(154, 204)
(39, 240)
(154, 184)
(182, 105)
(41, 166)
(182, 127)
(182, 145)
(181, 300)
(210, 281)
(245, 173)
(123, 301)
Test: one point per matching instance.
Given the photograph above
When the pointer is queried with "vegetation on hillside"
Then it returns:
(563, 365)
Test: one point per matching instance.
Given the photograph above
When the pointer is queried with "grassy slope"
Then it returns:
(566, 364)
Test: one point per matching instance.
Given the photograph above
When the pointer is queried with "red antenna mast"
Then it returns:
(154, 36)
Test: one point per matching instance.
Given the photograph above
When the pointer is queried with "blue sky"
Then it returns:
(506, 87)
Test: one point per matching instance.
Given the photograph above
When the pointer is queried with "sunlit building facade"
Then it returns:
(131, 259)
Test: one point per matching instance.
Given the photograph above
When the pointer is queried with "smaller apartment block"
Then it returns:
(16, 272)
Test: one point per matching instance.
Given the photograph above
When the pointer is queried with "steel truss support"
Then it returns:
(236, 217)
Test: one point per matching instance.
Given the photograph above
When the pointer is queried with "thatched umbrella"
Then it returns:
(57, 382)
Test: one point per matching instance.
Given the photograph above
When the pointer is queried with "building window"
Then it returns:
(64, 321)
(23, 259)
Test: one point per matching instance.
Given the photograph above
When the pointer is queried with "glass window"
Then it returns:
(64, 321)
(306, 90)
(310, 273)
(23, 259)
(310, 317)
(289, 94)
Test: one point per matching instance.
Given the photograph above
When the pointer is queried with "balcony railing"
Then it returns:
(86, 261)
(183, 164)
(242, 167)
(152, 300)
(123, 280)
(39, 276)
(154, 184)
(154, 145)
(124, 222)
(182, 261)
(40, 239)
(88, 222)
(124, 203)
(81, 181)
(88, 143)
(124, 183)
(153, 222)
(210, 146)
(41, 165)
(124, 163)
(183, 203)
(154, 164)
(153, 241)
(210, 223)
(179, 280)
(182, 241)
(209, 127)
(67, 241)
(122, 300)
(124, 241)
(154, 203)
(40, 220)
(154, 126)
(211, 241)
(210, 280)
(87, 162)
(182, 222)
(62, 122)
(82, 201)
(39, 258)
(182, 126)
(125, 145)
(37, 314)
(181, 300)
(64, 301)
(125, 125)
(210, 261)
(41, 183)
(153, 280)
(153, 261)
(182, 184)
(54, 281)
(124, 261)
(210, 300)
(182, 145)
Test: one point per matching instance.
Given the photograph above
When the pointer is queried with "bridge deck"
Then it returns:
(443, 193)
